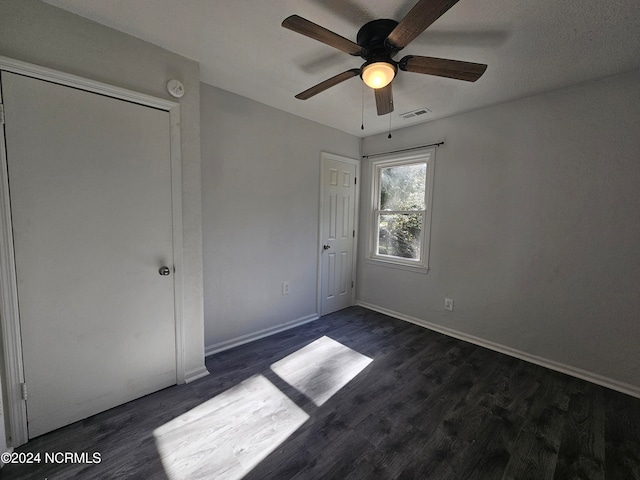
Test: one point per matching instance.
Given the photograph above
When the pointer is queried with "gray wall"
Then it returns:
(536, 228)
(260, 184)
(39, 33)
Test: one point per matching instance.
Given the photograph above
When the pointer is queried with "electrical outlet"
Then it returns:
(448, 304)
(285, 287)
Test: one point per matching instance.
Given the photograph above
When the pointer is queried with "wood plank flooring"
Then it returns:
(425, 407)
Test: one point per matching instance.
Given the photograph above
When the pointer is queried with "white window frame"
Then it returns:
(428, 156)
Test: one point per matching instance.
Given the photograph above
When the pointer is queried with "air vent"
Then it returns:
(415, 113)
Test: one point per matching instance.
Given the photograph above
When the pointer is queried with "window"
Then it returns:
(402, 186)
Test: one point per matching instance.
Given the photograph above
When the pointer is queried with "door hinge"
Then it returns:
(1, 114)
(23, 390)
(354, 234)
(352, 283)
(355, 180)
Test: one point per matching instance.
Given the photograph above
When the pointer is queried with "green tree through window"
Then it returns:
(401, 193)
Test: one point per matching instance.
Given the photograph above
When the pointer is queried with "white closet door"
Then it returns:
(90, 188)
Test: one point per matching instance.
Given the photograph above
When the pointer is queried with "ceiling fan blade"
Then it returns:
(423, 14)
(442, 67)
(310, 29)
(322, 86)
(384, 99)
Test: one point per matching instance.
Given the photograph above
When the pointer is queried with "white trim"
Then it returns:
(178, 257)
(427, 155)
(15, 408)
(324, 156)
(5, 450)
(527, 357)
(250, 337)
(400, 266)
(10, 321)
(195, 374)
(74, 81)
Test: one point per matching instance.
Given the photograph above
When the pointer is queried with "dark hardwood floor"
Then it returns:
(425, 407)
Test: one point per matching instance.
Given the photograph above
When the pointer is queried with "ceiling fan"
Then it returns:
(378, 42)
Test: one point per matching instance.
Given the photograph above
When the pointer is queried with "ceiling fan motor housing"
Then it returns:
(372, 38)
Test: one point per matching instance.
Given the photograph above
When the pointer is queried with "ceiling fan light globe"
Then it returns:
(378, 74)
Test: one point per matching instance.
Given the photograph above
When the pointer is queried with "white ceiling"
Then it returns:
(530, 46)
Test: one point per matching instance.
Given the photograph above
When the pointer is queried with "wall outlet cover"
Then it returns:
(448, 304)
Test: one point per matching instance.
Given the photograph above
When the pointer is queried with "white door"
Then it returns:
(90, 189)
(338, 233)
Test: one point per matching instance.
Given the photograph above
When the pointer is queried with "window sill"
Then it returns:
(401, 266)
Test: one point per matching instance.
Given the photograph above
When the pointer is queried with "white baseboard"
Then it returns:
(241, 340)
(195, 374)
(527, 357)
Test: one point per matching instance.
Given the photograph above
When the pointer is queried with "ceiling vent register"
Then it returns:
(415, 113)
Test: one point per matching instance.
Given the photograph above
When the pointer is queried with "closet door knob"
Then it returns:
(164, 271)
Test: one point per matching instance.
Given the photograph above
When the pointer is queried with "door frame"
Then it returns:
(13, 374)
(324, 156)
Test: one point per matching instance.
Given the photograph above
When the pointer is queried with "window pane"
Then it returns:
(402, 187)
(399, 235)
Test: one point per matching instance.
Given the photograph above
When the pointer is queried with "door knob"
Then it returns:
(326, 247)
(164, 271)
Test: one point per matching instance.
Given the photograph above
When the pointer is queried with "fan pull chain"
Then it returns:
(389, 136)
(362, 124)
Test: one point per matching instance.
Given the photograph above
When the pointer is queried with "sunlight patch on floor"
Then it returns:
(321, 368)
(227, 436)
